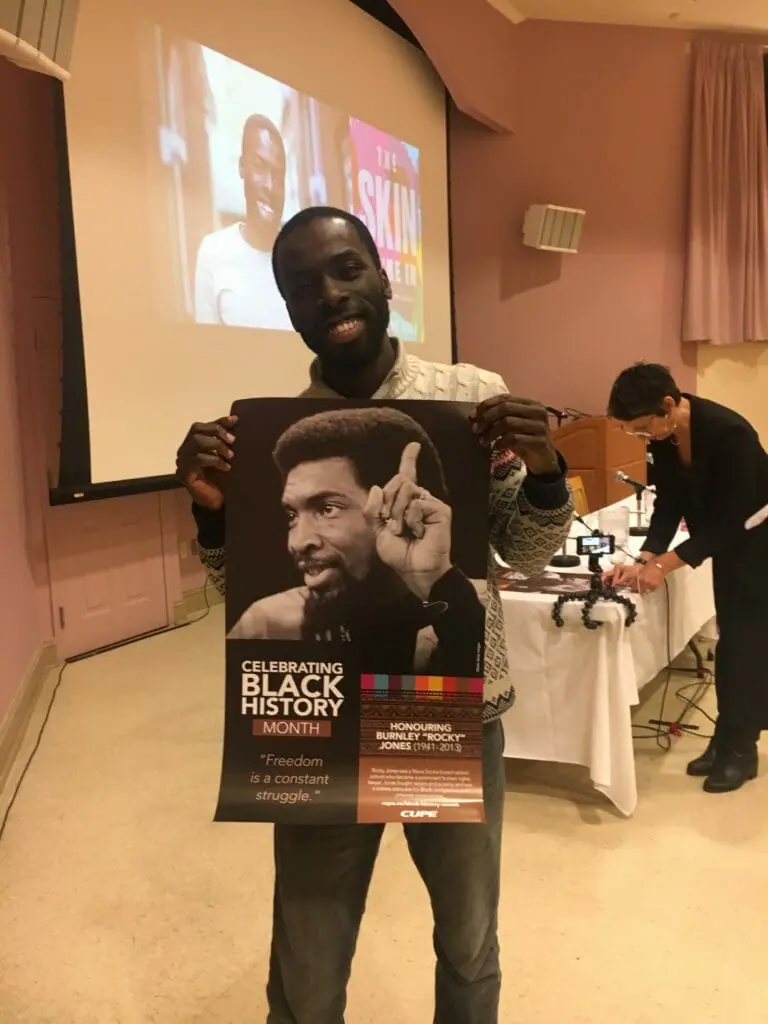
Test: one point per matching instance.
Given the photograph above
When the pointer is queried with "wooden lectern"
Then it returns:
(594, 449)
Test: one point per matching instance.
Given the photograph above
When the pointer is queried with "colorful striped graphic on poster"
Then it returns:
(388, 686)
(405, 719)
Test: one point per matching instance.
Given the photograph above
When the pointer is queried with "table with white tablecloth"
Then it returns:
(576, 687)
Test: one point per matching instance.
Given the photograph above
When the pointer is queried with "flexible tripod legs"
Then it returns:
(598, 591)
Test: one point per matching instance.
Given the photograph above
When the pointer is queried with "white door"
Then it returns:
(107, 571)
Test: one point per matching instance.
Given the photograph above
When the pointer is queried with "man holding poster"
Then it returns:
(329, 271)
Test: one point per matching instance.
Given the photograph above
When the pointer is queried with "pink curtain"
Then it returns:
(726, 288)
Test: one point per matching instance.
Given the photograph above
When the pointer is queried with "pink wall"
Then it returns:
(469, 43)
(30, 296)
(28, 273)
(23, 630)
(600, 123)
(600, 120)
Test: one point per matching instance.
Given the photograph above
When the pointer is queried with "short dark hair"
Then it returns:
(258, 122)
(372, 439)
(313, 213)
(640, 391)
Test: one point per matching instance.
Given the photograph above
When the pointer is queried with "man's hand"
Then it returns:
(413, 528)
(521, 425)
(204, 456)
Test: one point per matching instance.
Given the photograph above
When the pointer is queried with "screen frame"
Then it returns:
(74, 476)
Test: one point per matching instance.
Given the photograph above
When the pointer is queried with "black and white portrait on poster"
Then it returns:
(358, 542)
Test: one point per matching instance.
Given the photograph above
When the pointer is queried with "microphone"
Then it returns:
(639, 530)
(559, 414)
(624, 479)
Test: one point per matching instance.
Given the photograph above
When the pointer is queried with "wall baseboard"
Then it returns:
(195, 602)
(16, 722)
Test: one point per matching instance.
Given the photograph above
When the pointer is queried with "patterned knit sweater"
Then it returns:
(529, 516)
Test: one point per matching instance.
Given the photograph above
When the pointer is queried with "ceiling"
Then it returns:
(739, 15)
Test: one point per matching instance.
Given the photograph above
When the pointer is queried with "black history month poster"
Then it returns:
(357, 548)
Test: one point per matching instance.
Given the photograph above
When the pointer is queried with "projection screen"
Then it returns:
(194, 130)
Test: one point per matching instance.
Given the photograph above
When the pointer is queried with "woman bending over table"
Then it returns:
(709, 468)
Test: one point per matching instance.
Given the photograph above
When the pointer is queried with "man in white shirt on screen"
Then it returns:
(234, 283)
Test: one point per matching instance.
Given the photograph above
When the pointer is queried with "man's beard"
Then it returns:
(326, 612)
(362, 352)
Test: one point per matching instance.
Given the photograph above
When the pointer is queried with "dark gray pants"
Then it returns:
(321, 885)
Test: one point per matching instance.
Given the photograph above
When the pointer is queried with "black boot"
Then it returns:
(732, 768)
(704, 763)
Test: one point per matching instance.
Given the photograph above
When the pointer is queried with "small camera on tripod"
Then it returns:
(594, 547)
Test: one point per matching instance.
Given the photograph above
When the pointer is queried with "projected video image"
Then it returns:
(241, 154)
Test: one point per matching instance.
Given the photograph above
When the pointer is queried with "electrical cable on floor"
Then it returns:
(57, 685)
(660, 730)
(692, 704)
